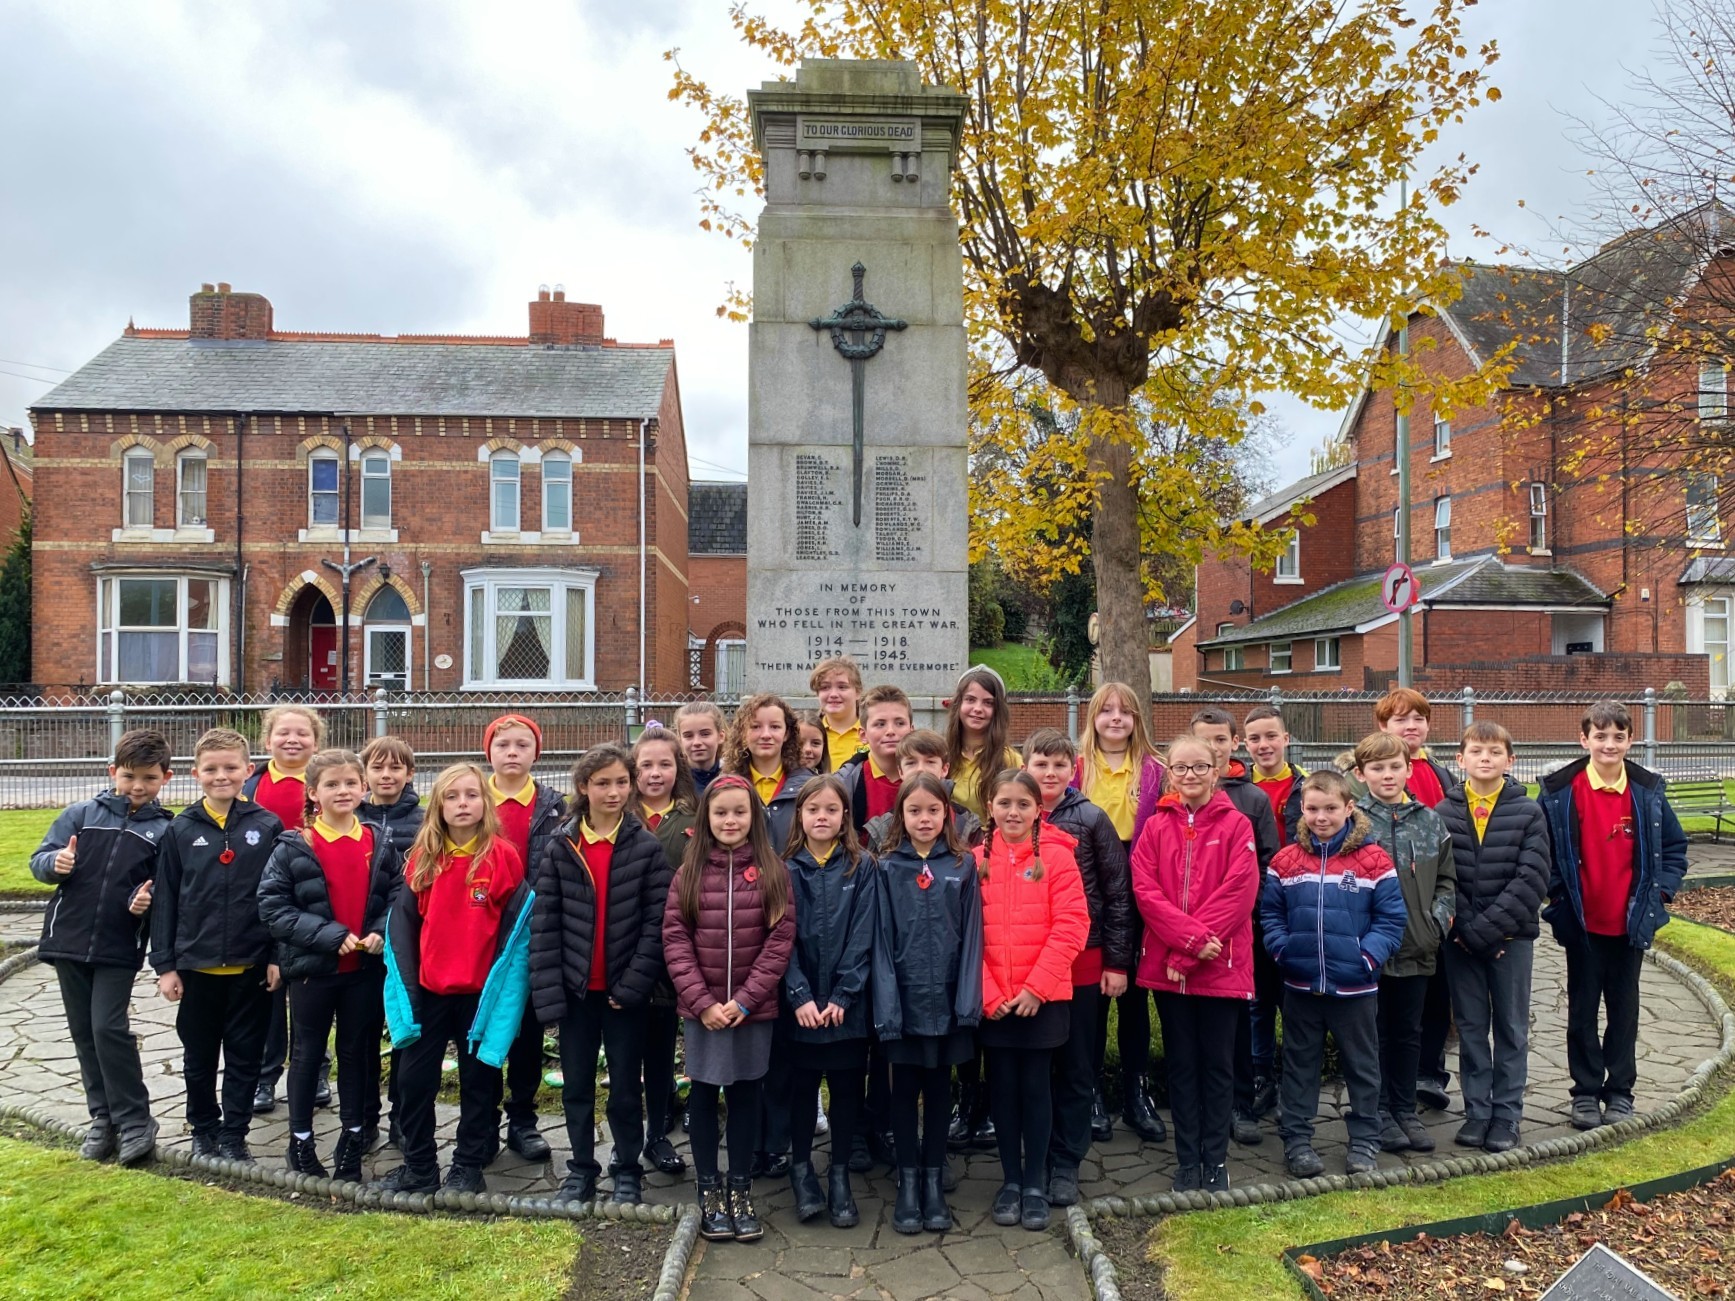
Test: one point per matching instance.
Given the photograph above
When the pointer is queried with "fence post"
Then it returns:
(1072, 711)
(632, 709)
(117, 718)
(1651, 728)
(380, 720)
(1469, 708)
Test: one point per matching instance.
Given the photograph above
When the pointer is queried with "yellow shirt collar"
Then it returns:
(592, 835)
(1618, 786)
(525, 795)
(326, 834)
(657, 813)
(1100, 761)
(1282, 774)
(874, 766)
(467, 849)
(279, 775)
(221, 818)
(823, 859)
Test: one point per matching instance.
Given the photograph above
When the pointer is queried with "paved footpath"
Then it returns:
(801, 1262)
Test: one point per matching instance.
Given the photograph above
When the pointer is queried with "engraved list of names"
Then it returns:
(899, 527)
(818, 503)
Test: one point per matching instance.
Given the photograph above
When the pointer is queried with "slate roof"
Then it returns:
(1346, 606)
(367, 378)
(1269, 507)
(1708, 569)
(716, 519)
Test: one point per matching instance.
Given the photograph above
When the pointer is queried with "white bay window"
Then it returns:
(162, 628)
(529, 629)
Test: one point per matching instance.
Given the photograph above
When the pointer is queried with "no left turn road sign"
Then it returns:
(1398, 589)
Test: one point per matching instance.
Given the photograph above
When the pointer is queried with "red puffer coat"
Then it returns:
(728, 953)
(1195, 875)
(1032, 929)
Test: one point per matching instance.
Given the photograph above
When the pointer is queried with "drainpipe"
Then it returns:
(239, 602)
(644, 425)
(427, 630)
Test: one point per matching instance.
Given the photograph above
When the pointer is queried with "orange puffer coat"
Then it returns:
(1032, 928)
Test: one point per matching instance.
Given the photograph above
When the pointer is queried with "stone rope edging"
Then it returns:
(23, 905)
(1429, 1172)
(1099, 1270)
(678, 1256)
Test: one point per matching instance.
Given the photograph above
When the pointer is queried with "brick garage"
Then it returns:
(496, 483)
(717, 579)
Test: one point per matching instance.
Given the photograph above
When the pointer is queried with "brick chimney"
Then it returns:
(218, 312)
(554, 320)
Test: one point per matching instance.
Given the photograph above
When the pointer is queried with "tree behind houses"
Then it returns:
(15, 608)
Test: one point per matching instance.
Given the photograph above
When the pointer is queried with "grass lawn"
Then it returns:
(1024, 668)
(70, 1228)
(21, 831)
(1235, 1253)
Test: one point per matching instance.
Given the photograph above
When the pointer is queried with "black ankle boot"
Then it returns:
(841, 1197)
(958, 1130)
(346, 1160)
(742, 1213)
(804, 1183)
(304, 1158)
(907, 1210)
(714, 1222)
(936, 1215)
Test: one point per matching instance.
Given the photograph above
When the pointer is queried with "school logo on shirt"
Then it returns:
(479, 893)
(252, 836)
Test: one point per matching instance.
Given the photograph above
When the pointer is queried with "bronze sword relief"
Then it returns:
(858, 331)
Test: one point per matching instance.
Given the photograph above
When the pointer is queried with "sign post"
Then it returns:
(1399, 590)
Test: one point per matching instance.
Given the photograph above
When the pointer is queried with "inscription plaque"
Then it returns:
(1602, 1275)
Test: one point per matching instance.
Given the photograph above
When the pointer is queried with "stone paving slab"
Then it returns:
(796, 1262)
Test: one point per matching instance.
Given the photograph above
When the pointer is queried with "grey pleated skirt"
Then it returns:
(727, 1056)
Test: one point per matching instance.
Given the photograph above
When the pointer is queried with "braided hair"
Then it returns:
(1019, 777)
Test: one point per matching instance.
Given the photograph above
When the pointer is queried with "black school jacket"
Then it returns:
(87, 918)
(403, 819)
(835, 924)
(296, 906)
(1503, 878)
(927, 968)
(205, 912)
(1256, 804)
(1108, 882)
(563, 921)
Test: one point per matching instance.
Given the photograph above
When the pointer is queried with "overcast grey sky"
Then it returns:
(414, 166)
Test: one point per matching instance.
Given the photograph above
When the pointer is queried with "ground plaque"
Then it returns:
(1602, 1275)
(857, 423)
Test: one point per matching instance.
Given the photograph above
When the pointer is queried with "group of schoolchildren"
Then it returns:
(840, 899)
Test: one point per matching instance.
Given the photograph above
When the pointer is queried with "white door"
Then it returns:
(388, 657)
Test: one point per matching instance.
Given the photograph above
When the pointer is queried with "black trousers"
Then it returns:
(524, 1071)
(1256, 1031)
(1199, 1046)
(1401, 999)
(356, 1001)
(1436, 1024)
(1132, 1026)
(1075, 1073)
(846, 1111)
(222, 1017)
(877, 1110)
(1354, 1024)
(744, 1102)
(661, 1027)
(931, 1086)
(774, 1096)
(446, 1019)
(1602, 971)
(1021, 1100)
(591, 1023)
(274, 1051)
(96, 1000)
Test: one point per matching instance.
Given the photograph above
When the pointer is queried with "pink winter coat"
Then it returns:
(1195, 875)
(1032, 930)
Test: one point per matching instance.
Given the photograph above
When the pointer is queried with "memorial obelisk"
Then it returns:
(857, 521)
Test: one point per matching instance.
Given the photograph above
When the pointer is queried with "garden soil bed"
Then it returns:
(1685, 1241)
(1713, 905)
(1126, 1241)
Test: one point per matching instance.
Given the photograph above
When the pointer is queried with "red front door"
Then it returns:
(322, 657)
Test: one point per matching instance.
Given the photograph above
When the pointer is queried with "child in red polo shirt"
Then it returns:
(457, 946)
(1268, 744)
(1617, 857)
(872, 779)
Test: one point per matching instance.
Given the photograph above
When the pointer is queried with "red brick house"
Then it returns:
(1566, 535)
(18, 485)
(717, 577)
(515, 508)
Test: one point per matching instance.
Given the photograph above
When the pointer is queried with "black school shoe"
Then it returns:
(465, 1179)
(861, 1158)
(1502, 1136)
(661, 1153)
(206, 1144)
(1033, 1213)
(628, 1188)
(527, 1141)
(840, 1198)
(1432, 1095)
(264, 1098)
(1101, 1123)
(1008, 1205)
(1142, 1118)
(804, 1183)
(1216, 1179)
(1063, 1188)
(1472, 1133)
(576, 1187)
(405, 1180)
(1303, 1162)
(99, 1140)
(233, 1147)
(1244, 1129)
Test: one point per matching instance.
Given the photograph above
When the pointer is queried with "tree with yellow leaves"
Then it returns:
(1167, 207)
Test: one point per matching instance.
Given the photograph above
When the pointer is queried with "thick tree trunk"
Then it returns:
(1123, 641)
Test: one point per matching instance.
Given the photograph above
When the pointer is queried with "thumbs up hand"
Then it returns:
(64, 860)
(141, 900)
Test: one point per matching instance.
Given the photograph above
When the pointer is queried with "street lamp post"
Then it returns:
(344, 569)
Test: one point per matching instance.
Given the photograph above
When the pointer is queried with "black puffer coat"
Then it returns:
(780, 811)
(1256, 805)
(834, 941)
(563, 921)
(1108, 881)
(295, 905)
(403, 819)
(1503, 878)
(88, 917)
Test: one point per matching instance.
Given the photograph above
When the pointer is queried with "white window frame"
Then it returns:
(1225, 627)
(1443, 528)
(1722, 607)
(1289, 563)
(488, 582)
(1705, 521)
(1234, 660)
(553, 489)
(371, 459)
(728, 684)
(496, 521)
(1328, 654)
(144, 498)
(185, 519)
(1285, 649)
(333, 526)
(1538, 519)
(396, 681)
(108, 626)
(1713, 390)
(1442, 439)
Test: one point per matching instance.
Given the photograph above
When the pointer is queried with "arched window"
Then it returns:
(190, 495)
(503, 492)
(376, 490)
(386, 627)
(557, 493)
(139, 486)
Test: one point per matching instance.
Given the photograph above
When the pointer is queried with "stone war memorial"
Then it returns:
(857, 527)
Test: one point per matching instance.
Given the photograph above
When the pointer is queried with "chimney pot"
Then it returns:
(223, 287)
(207, 288)
(560, 293)
(542, 294)
(224, 314)
(556, 322)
